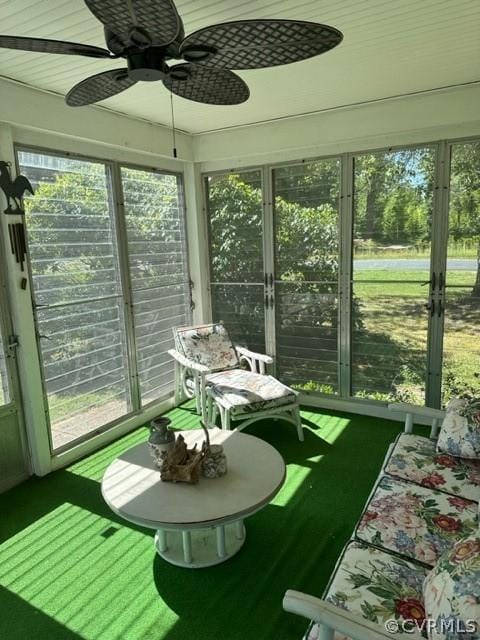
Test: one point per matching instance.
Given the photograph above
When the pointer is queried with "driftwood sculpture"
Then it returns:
(182, 464)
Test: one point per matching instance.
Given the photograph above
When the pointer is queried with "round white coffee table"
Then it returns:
(197, 525)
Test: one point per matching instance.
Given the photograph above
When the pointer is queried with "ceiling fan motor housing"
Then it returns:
(148, 65)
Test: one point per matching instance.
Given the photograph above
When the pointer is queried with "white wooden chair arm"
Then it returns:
(261, 357)
(353, 626)
(186, 362)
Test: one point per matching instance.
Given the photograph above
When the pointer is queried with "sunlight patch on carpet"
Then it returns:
(296, 476)
(72, 564)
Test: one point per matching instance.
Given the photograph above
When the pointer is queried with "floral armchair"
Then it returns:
(208, 367)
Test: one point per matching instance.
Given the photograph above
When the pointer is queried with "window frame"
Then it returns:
(113, 176)
(441, 148)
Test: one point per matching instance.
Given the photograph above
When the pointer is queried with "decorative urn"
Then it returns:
(161, 440)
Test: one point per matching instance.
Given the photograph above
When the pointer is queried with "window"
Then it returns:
(235, 216)
(461, 346)
(393, 200)
(306, 222)
(159, 278)
(386, 311)
(105, 304)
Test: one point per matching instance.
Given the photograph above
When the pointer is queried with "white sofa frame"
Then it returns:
(330, 617)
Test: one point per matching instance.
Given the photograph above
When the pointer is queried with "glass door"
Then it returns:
(461, 300)
(392, 214)
(77, 294)
(237, 273)
(368, 314)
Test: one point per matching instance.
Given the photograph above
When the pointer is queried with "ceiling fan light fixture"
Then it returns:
(198, 52)
(147, 66)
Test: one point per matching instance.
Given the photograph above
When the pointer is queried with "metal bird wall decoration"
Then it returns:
(13, 189)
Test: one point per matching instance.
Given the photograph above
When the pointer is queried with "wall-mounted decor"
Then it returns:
(17, 243)
(13, 189)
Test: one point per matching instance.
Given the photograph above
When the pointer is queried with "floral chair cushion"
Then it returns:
(417, 522)
(245, 391)
(415, 458)
(460, 431)
(209, 345)
(452, 592)
(376, 586)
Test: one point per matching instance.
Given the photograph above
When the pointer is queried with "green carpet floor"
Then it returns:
(70, 569)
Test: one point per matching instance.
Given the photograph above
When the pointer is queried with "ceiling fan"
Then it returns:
(148, 34)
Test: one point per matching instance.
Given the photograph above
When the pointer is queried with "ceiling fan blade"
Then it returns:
(53, 46)
(139, 22)
(210, 86)
(253, 44)
(98, 87)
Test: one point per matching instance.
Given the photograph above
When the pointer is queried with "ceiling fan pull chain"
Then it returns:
(173, 126)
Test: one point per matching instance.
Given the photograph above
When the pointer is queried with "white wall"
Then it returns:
(421, 118)
(45, 117)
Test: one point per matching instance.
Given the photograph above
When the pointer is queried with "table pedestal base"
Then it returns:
(197, 548)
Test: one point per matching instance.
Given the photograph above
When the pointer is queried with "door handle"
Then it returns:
(13, 342)
(432, 281)
(431, 307)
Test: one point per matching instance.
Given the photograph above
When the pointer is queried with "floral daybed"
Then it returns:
(421, 517)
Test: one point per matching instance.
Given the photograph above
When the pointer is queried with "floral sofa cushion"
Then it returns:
(415, 458)
(209, 345)
(245, 391)
(460, 431)
(376, 586)
(452, 592)
(414, 521)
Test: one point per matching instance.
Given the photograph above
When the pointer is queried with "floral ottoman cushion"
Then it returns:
(414, 521)
(246, 391)
(415, 458)
(377, 586)
(460, 431)
(452, 592)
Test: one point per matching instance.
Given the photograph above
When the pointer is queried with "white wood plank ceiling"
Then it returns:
(390, 47)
